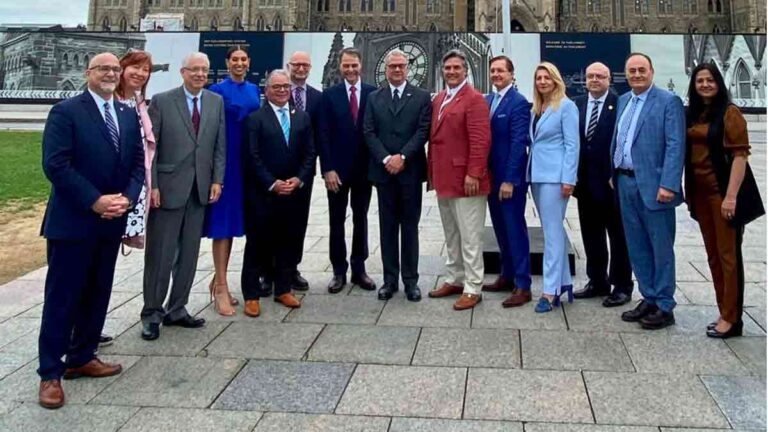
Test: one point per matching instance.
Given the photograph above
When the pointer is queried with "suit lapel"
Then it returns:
(363, 99)
(122, 126)
(183, 108)
(404, 99)
(605, 112)
(650, 101)
(93, 111)
(206, 113)
(451, 104)
(583, 119)
(503, 103)
(541, 121)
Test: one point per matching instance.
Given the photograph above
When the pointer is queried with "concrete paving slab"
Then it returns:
(365, 344)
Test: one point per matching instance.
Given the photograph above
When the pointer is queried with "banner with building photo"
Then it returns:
(265, 50)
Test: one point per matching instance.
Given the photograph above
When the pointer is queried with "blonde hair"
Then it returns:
(557, 94)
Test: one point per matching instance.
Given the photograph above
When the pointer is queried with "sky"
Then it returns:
(65, 12)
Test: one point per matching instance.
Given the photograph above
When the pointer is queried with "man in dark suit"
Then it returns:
(396, 129)
(304, 97)
(344, 164)
(597, 201)
(187, 175)
(93, 157)
(510, 117)
(279, 158)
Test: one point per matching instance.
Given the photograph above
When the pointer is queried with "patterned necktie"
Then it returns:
(298, 98)
(195, 116)
(353, 103)
(593, 120)
(621, 139)
(495, 103)
(285, 124)
(395, 97)
(111, 127)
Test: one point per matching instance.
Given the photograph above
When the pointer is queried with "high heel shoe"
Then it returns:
(569, 290)
(545, 305)
(736, 330)
(221, 300)
(232, 300)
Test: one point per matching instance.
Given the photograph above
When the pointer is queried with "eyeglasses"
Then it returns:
(301, 65)
(280, 86)
(196, 70)
(107, 69)
(397, 66)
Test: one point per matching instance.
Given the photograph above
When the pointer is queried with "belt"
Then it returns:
(626, 172)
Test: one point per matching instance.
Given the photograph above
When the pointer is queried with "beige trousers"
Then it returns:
(463, 223)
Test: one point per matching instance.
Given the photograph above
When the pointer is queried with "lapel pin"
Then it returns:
(408, 95)
(293, 111)
(610, 107)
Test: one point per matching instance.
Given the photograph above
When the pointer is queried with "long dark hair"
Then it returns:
(696, 105)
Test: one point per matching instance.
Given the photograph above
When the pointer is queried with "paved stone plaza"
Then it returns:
(349, 362)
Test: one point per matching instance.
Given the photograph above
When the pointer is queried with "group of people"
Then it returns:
(217, 162)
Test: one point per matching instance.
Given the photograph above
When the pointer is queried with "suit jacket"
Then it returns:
(341, 144)
(81, 162)
(403, 129)
(312, 104)
(658, 149)
(509, 139)
(459, 143)
(595, 155)
(182, 158)
(555, 145)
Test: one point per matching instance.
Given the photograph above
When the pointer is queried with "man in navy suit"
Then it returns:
(647, 153)
(303, 97)
(93, 157)
(279, 159)
(597, 202)
(344, 164)
(510, 116)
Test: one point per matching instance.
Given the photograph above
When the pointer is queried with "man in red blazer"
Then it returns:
(459, 143)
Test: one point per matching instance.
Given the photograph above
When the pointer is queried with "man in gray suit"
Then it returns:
(187, 175)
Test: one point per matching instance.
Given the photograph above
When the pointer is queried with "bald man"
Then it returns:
(94, 159)
(597, 202)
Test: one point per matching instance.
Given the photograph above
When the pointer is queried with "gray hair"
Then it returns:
(393, 53)
(454, 53)
(282, 72)
(195, 56)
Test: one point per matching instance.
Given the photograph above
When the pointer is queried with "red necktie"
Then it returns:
(195, 116)
(353, 103)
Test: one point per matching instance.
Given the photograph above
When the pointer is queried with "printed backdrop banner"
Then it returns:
(264, 49)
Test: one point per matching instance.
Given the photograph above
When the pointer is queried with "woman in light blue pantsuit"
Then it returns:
(552, 169)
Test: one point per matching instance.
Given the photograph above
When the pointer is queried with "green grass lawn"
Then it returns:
(22, 182)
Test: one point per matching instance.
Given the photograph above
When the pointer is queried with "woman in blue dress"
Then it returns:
(224, 219)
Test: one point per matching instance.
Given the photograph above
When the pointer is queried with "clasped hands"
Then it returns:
(286, 187)
(111, 206)
(395, 165)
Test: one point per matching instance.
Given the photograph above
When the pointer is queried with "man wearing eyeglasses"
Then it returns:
(187, 175)
(279, 159)
(94, 159)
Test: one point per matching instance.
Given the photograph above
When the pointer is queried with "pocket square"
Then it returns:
(501, 115)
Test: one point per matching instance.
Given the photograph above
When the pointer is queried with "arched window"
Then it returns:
(76, 61)
(341, 5)
(319, 5)
(105, 24)
(278, 25)
(65, 61)
(710, 6)
(194, 24)
(743, 82)
(433, 27)
(123, 24)
(238, 24)
(388, 27)
(391, 5)
(86, 60)
(214, 24)
(593, 7)
(665, 7)
(641, 7)
(691, 7)
(260, 23)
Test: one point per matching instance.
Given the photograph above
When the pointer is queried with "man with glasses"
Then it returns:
(597, 202)
(279, 159)
(94, 159)
(187, 175)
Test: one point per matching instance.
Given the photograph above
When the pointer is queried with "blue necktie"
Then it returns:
(111, 127)
(285, 124)
(621, 139)
(495, 103)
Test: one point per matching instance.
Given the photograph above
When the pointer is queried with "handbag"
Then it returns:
(749, 204)
(134, 229)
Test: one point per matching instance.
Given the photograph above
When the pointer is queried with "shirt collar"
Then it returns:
(601, 98)
(503, 92)
(356, 86)
(452, 91)
(100, 100)
(190, 96)
(642, 96)
(294, 86)
(400, 88)
(276, 108)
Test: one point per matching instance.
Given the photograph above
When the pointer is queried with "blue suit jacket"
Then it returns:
(555, 145)
(341, 144)
(658, 149)
(509, 139)
(81, 162)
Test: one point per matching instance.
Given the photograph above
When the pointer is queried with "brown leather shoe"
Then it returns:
(519, 297)
(499, 285)
(467, 301)
(252, 308)
(288, 300)
(94, 369)
(446, 290)
(51, 394)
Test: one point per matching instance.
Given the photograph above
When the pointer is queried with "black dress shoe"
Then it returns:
(657, 320)
(735, 330)
(299, 283)
(387, 291)
(105, 340)
(643, 308)
(412, 293)
(363, 282)
(150, 331)
(188, 321)
(337, 284)
(592, 290)
(618, 298)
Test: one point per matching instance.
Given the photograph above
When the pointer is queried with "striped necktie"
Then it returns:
(111, 127)
(285, 123)
(621, 139)
(593, 120)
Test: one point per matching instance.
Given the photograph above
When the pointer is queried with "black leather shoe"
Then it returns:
(657, 320)
(299, 283)
(150, 331)
(643, 308)
(735, 330)
(412, 293)
(618, 298)
(105, 341)
(188, 321)
(337, 284)
(363, 282)
(387, 291)
(592, 290)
